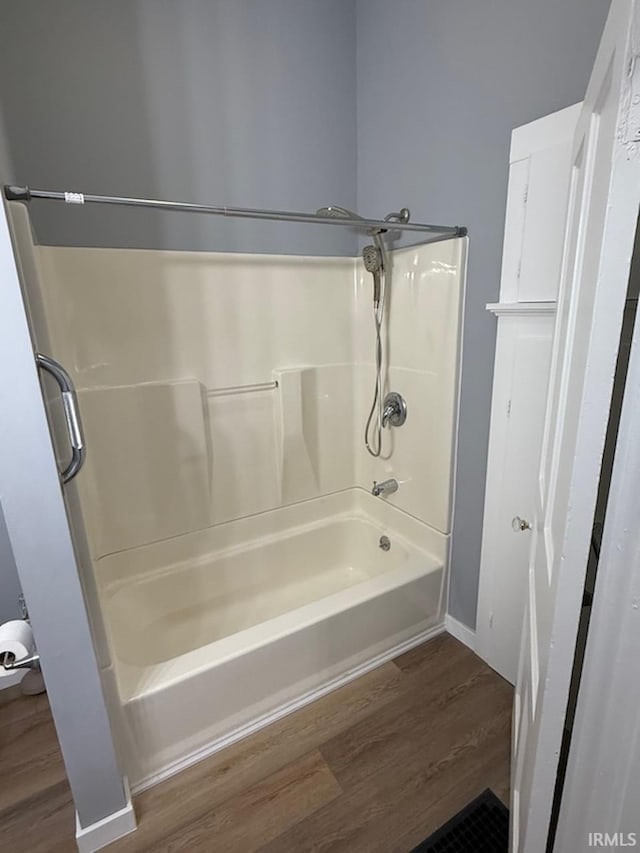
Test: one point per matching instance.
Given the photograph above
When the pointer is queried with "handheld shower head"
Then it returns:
(372, 257)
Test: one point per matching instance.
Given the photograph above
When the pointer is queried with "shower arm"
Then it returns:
(439, 232)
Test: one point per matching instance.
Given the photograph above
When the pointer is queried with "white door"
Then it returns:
(603, 209)
(523, 353)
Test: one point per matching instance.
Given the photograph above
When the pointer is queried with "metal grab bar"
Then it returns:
(232, 390)
(71, 414)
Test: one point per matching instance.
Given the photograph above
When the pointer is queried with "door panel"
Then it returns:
(562, 318)
(524, 345)
(539, 175)
(547, 181)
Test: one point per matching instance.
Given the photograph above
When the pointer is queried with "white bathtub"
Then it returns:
(221, 631)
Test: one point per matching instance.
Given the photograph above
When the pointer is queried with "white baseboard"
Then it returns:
(97, 835)
(460, 632)
(282, 711)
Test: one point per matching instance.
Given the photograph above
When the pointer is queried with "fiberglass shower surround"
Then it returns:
(390, 411)
(240, 561)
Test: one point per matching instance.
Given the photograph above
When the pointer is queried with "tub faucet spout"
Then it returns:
(386, 487)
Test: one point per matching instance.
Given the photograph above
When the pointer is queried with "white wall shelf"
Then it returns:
(521, 309)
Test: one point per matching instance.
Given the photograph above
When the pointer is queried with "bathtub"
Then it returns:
(217, 633)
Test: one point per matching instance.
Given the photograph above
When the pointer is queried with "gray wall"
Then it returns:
(441, 84)
(235, 102)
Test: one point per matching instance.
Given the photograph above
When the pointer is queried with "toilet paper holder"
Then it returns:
(31, 662)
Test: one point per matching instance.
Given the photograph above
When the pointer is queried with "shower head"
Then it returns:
(376, 254)
(335, 212)
(372, 257)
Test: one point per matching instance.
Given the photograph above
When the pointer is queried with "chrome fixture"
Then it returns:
(22, 604)
(9, 661)
(394, 412)
(519, 525)
(348, 219)
(403, 215)
(386, 487)
(231, 390)
(71, 414)
(375, 262)
(385, 543)
(372, 257)
(335, 212)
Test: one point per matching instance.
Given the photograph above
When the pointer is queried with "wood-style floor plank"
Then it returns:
(11, 710)
(409, 730)
(375, 766)
(412, 758)
(195, 791)
(29, 755)
(262, 812)
(42, 824)
(427, 659)
(385, 739)
(455, 787)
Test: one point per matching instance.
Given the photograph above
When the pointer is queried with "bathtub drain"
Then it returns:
(385, 543)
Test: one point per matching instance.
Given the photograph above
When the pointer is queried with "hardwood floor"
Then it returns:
(374, 766)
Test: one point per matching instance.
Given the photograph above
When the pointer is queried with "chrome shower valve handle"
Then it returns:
(394, 412)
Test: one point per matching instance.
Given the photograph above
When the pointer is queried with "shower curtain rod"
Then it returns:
(442, 232)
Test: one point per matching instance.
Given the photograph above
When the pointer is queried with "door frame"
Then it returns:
(605, 742)
(606, 226)
(33, 505)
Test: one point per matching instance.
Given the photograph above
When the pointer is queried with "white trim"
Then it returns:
(283, 710)
(97, 835)
(536, 135)
(456, 433)
(521, 309)
(460, 632)
(605, 748)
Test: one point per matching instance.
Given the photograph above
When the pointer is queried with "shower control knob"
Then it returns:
(394, 411)
(520, 524)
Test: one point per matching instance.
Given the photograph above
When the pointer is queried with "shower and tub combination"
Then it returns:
(263, 511)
